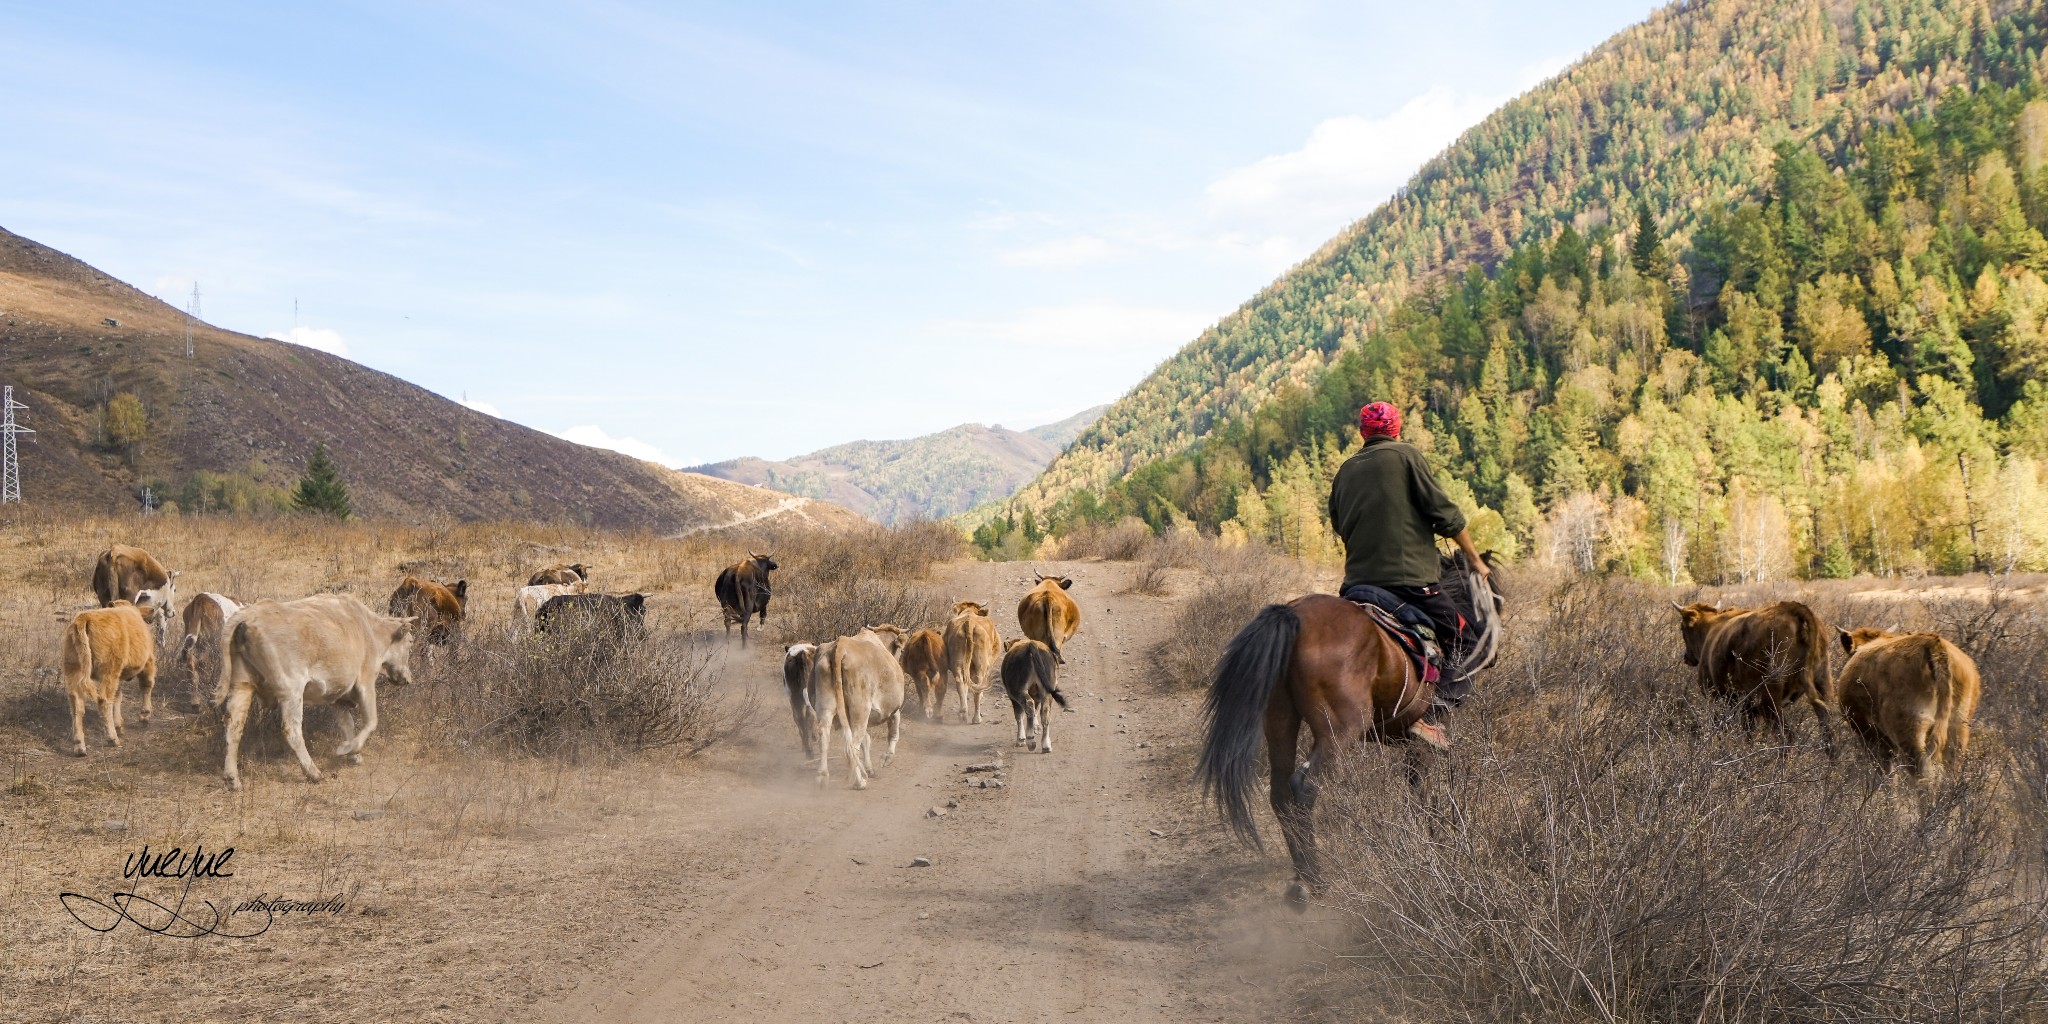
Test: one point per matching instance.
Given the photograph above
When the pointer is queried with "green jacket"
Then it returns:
(1386, 505)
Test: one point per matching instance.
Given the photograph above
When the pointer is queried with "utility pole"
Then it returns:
(191, 314)
(10, 462)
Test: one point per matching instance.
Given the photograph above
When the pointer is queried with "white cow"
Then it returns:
(327, 649)
(529, 600)
(855, 683)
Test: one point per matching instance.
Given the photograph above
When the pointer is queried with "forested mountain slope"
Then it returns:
(1755, 288)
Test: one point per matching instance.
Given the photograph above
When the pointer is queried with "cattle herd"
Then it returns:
(850, 684)
(1908, 696)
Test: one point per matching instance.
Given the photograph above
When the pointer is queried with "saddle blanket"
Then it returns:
(1422, 653)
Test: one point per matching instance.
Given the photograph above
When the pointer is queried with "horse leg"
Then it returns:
(1293, 796)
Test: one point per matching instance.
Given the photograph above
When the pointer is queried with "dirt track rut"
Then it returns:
(1051, 898)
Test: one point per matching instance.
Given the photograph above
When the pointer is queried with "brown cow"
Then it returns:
(205, 619)
(436, 609)
(1048, 615)
(104, 648)
(742, 590)
(560, 574)
(924, 661)
(1908, 693)
(1764, 658)
(134, 575)
(972, 650)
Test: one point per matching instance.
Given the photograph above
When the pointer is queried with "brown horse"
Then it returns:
(1323, 661)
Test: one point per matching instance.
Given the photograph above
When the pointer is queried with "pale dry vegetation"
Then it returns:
(495, 798)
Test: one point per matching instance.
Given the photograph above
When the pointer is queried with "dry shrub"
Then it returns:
(1127, 541)
(840, 584)
(1606, 843)
(1231, 586)
(1149, 580)
(578, 691)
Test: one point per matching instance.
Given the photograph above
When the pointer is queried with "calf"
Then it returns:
(1908, 693)
(972, 650)
(742, 590)
(205, 618)
(528, 601)
(1032, 677)
(856, 684)
(797, 662)
(104, 648)
(560, 574)
(611, 618)
(924, 661)
(327, 649)
(1048, 615)
(1763, 658)
(436, 610)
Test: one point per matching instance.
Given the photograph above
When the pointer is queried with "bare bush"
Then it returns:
(1127, 541)
(839, 585)
(1607, 843)
(1149, 580)
(579, 691)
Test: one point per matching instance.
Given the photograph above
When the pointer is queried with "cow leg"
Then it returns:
(743, 631)
(78, 721)
(895, 732)
(856, 753)
(110, 709)
(238, 716)
(822, 726)
(292, 709)
(147, 677)
(1044, 725)
(353, 749)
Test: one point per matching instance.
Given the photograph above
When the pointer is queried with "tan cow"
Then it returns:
(1908, 693)
(924, 661)
(205, 618)
(561, 574)
(856, 683)
(528, 601)
(103, 648)
(1048, 615)
(1032, 679)
(327, 649)
(134, 575)
(1763, 658)
(972, 650)
(437, 609)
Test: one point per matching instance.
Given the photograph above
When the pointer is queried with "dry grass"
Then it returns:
(490, 809)
(1607, 844)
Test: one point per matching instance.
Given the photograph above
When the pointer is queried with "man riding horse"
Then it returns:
(1387, 506)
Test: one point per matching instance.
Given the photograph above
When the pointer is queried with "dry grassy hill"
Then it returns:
(251, 410)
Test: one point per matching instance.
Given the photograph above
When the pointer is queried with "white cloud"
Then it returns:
(481, 406)
(1348, 166)
(1093, 326)
(1060, 252)
(593, 436)
(315, 337)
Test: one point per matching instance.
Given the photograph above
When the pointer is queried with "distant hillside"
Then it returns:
(120, 408)
(932, 477)
(1757, 289)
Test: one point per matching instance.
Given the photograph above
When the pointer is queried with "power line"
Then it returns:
(10, 462)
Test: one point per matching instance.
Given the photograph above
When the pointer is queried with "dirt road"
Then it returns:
(1089, 886)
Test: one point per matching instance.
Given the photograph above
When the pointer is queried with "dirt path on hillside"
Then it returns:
(1090, 887)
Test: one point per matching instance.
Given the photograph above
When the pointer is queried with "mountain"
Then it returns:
(117, 407)
(931, 477)
(1754, 289)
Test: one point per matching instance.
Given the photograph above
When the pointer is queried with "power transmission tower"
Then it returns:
(10, 463)
(191, 314)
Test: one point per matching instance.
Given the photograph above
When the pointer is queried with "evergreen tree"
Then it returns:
(1647, 250)
(321, 489)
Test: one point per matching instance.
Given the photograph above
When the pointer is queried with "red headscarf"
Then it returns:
(1379, 418)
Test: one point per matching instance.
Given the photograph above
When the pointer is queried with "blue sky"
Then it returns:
(699, 231)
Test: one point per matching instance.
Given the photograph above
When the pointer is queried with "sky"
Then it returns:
(699, 231)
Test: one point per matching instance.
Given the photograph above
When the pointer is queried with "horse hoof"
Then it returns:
(1297, 897)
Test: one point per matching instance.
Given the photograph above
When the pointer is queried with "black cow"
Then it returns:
(743, 592)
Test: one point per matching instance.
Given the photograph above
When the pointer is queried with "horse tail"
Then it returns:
(1251, 667)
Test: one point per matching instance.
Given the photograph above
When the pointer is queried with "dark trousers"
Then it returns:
(1452, 631)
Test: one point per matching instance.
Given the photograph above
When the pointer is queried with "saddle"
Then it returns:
(1406, 625)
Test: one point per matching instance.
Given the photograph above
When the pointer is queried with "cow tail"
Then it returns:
(1251, 668)
(1940, 673)
(77, 655)
(229, 645)
(1048, 675)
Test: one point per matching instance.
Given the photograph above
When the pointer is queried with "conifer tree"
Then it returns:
(321, 489)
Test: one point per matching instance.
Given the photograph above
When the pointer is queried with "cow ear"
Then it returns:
(461, 589)
(1848, 642)
(174, 573)
(1066, 583)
